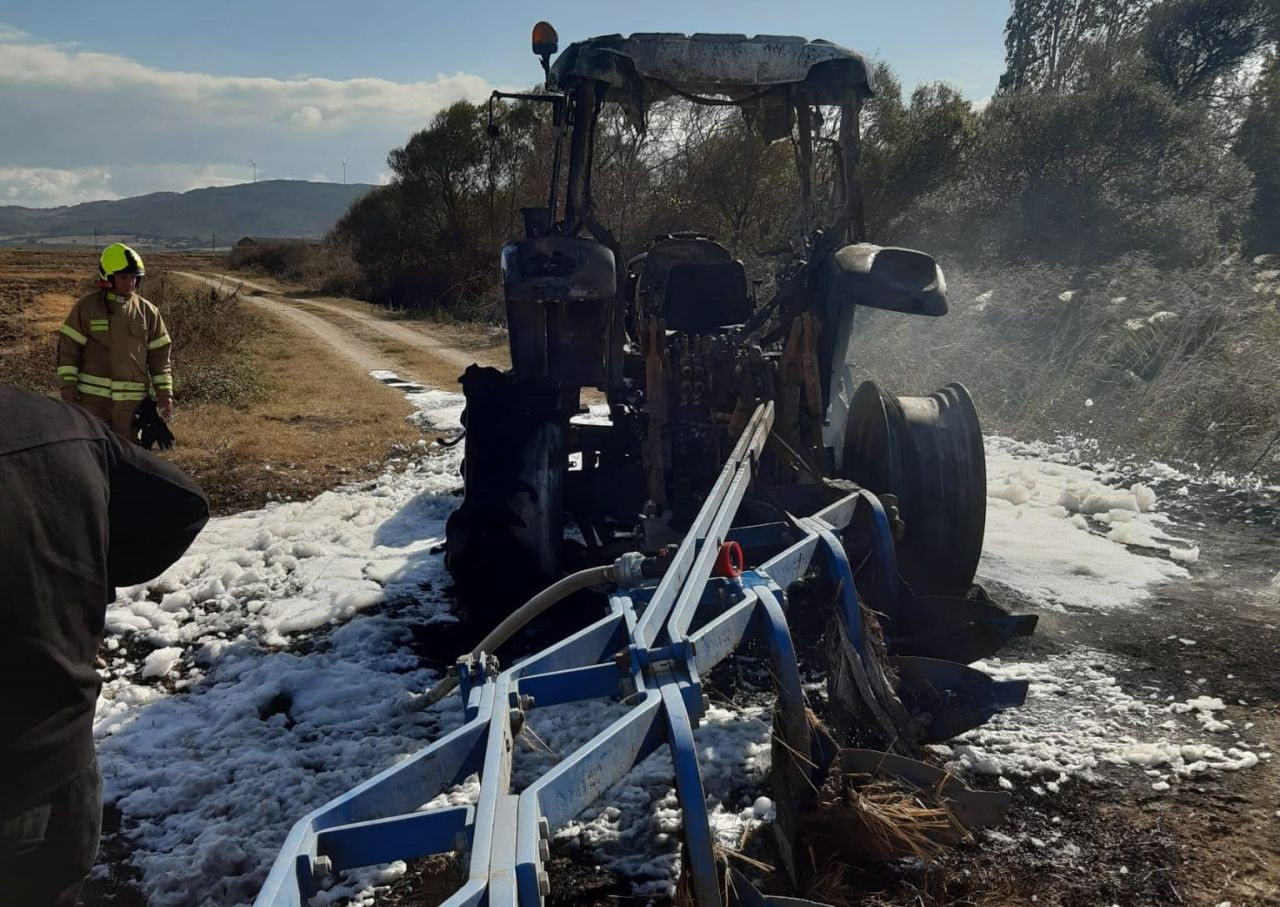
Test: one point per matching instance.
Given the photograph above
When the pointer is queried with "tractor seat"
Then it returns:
(704, 297)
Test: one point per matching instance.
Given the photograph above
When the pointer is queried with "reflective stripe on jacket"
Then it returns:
(114, 348)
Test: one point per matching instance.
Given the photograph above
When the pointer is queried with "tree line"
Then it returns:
(1118, 126)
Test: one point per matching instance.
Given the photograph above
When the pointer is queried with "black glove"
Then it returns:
(153, 429)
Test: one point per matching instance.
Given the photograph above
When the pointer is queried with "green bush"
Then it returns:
(211, 331)
(326, 266)
(287, 259)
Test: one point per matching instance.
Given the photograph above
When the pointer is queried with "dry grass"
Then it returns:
(1197, 384)
(856, 815)
(318, 421)
(889, 818)
(429, 880)
(37, 291)
(211, 334)
(322, 265)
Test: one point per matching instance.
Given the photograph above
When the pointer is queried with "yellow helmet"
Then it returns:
(118, 258)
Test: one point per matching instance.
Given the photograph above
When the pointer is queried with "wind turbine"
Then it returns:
(344, 173)
(255, 169)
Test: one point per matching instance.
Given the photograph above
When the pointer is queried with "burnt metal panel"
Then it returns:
(647, 66)
(552, 268)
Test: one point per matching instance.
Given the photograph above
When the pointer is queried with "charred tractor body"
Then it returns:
(683, 353)
(735, 488)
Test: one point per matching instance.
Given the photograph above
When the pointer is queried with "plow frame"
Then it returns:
(642, 652)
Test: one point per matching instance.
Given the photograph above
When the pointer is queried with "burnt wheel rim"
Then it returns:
(927, 451)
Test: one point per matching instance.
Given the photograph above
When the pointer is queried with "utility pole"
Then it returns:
(344, 173)
(255, 169)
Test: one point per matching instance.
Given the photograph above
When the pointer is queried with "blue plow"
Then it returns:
(889, 685)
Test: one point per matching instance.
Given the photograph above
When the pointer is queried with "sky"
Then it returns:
(108, 101)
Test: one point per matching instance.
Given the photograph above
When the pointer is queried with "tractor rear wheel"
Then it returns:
(927, 451)
(504, 543)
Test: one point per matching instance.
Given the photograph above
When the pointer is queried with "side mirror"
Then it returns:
(886, 277)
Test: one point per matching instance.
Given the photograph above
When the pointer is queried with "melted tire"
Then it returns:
(504, 543)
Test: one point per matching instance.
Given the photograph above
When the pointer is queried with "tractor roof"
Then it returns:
(651, 66)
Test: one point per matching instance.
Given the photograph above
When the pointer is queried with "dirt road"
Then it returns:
(414, 350)
(353, 350)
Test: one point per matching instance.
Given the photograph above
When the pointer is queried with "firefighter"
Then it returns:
(114, 347)
(84, 511)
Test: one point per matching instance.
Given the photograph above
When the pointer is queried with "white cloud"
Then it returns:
(51, 66)
(307, 116)
(47, 187)
(81, 113)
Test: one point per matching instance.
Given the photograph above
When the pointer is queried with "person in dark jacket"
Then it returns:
(81, 512)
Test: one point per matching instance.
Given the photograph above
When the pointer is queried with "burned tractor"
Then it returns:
(682, 352)
(734, 490)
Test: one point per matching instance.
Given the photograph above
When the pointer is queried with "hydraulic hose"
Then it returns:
(628, 569)
(592, 576)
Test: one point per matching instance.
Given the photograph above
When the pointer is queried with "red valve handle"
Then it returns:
(729, 561)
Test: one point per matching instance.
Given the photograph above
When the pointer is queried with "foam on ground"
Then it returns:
(1057, 534)
(1082, 720)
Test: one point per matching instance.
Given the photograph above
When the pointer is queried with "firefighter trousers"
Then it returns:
(116, 413)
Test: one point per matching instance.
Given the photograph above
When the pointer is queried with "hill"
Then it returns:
(293, 208)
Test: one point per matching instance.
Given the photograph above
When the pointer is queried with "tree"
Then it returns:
(1195, 43)
(625, 182)
(1080, 177)
(1258, 145)
(1044, 39)
(440, 171)
(376, 233)
(1020, 52)
(709, 171)
(750, 186)
(910, 151)
(431, 236)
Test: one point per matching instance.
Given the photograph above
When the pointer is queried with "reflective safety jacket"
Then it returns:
(113, 347)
